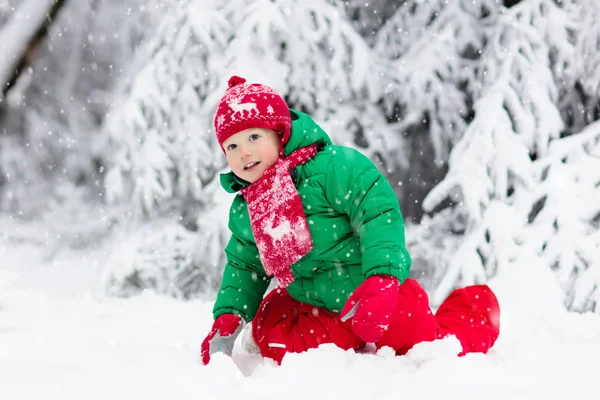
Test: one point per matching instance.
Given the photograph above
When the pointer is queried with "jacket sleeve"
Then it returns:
(354, 186)
(244, 280)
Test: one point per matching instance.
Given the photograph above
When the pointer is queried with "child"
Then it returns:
(325, 223)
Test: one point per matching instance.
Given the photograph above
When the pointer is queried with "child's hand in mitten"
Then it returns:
(372, 306)
(222, 336)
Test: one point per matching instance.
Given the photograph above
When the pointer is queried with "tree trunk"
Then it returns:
(21, 36)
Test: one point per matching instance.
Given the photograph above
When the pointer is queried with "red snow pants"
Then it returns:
(472, 314)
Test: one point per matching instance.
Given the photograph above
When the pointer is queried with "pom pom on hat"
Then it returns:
(235, 80)
(254, 105)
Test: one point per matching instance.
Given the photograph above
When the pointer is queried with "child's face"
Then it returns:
(251, 151)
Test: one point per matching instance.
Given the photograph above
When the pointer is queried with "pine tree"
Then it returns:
(502, 173)
(51, 125)
(160, 148)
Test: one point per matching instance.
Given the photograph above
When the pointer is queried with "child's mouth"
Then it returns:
(251, 165)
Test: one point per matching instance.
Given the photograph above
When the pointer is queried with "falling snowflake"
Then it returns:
(270, 110)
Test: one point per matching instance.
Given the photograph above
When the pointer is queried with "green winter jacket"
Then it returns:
(354, 220)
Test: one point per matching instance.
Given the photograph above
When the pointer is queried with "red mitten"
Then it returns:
(222, 336)
(372, 306)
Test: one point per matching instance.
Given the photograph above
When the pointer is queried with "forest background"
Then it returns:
(482, 114)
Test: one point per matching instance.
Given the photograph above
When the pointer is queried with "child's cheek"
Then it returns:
(232, 164)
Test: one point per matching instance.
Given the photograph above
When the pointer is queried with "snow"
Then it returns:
(62, 338)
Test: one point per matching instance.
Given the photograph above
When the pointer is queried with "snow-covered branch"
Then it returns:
(588, 57)
(565, 230)
(16, 34)
(429, 45)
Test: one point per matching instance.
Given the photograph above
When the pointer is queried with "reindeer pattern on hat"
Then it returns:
(244, 100)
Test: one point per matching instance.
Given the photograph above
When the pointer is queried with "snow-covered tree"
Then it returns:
(50, 124)
(427, 52)
(163, 159)
(432, 47)
(504, 157)
(26, 18)
(160, 146)
(565, 228)
(515, 116)
(163, 256)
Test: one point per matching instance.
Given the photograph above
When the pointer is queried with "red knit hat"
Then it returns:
(252, 105)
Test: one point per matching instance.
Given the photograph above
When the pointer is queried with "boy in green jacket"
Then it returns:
(325, 223)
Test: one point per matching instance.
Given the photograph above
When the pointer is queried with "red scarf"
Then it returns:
(277, 217)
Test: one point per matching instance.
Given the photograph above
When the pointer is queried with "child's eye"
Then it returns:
(254, 136)
(231, 147)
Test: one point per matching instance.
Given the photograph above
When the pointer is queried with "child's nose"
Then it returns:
(245, 151)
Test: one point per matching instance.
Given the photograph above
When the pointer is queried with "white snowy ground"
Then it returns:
(61, 338)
